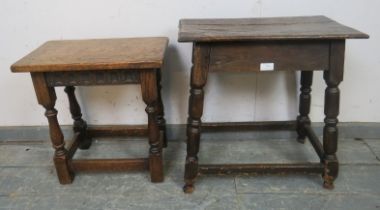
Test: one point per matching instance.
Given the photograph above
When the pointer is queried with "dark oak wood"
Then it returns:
(251, 29)
(285, 55)
(333, 77)
(100, 62)
(304, 107)
(226, 169)
(252, 126)
(160, 112)
(201, 58)
(117, 130)
(303, 44)
(79, 124)
(46, 97)
(95, 54)
(107, 165)
(150, 97)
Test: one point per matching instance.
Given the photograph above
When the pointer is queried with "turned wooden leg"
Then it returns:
(46, 97)
(304, 107)
(150, 97)
(330, 132)
(79, 124)
(160, 113)
(198, 80)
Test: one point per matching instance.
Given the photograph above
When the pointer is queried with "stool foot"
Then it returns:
(64, 173)
(156, 168)
(301, 139)
(86, 143)
(328, 183)
(188, 188)
(331, 172)
(301, 122)
(85, 139)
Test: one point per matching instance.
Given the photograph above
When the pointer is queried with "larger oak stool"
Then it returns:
(267, 44)
(72, 63)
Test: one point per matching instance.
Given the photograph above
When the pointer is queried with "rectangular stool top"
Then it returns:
(278, 28)
(95, 54)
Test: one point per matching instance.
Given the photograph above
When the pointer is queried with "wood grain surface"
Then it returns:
(249, 29)
(284, 55)
(95, 54)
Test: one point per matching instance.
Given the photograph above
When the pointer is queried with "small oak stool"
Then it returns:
(99, 62)
(268, 44)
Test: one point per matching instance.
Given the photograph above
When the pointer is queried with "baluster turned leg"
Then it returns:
(79, 124)
(330, 132)
(304, 107)
(160, 113)
(198, 80)
(150, 97)
(46, 97)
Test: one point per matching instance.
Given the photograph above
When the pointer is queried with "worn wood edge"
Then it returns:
(183, 38)
(282, 18)
(314, 140)
(249, 18)
(100, 66)
(109, 165)
(83, 67)
(265, 168)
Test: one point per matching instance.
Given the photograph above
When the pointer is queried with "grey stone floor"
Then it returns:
(28, 179)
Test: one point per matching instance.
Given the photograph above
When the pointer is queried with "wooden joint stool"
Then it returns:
(99, 62)
(267, 44)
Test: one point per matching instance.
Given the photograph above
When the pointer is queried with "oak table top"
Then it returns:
(250, 29)
(95, 54)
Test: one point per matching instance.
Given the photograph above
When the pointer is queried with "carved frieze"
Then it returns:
(108, 77)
